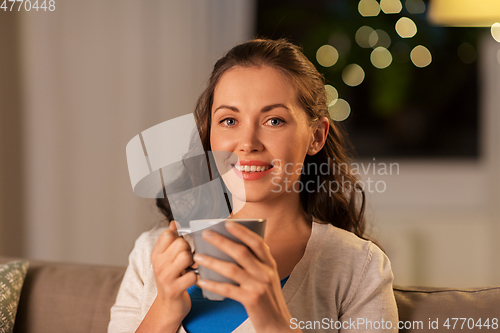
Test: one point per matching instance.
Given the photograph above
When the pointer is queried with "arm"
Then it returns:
(169, 257)
(371, 303)
(126, 312)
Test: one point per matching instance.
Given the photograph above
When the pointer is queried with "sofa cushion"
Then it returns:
(59, 297)
(77, 298)
(435, 308)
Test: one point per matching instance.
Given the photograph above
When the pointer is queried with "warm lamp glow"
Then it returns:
(464, 13)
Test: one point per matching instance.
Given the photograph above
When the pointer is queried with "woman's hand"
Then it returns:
(170, 257)
(259, 289)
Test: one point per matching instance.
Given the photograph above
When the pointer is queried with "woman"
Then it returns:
(266, 103)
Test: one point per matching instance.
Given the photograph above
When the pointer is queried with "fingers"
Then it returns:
(177, 287)
(224, 289)
(173, 252)
(228, 269)
(182, 260)
(173, 227)
(239, 252)
(186, 281)
(252, 240)
(177, 247)
(166, 238)
(252, 269)
(258, 295)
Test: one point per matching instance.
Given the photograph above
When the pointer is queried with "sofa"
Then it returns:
(63, 297)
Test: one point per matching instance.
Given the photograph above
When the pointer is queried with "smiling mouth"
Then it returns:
(251, 168)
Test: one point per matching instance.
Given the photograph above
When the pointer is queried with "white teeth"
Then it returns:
(251, 168)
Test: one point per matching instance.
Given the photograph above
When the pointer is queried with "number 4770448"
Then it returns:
(28, 5)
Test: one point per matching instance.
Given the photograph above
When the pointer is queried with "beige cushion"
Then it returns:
(67, 298)
(429, 304)
(77, 298)
(11, 281)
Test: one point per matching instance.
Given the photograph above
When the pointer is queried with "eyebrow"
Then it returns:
(264, 109)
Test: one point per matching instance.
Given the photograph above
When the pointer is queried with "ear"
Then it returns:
(319, 136)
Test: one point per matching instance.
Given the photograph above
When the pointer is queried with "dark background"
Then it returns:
(399, 111)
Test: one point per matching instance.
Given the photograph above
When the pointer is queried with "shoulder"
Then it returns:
(362, 276)
(342, 271)
(354, 262)
(341, 243)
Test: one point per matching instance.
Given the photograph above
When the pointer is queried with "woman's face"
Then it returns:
(256, 116)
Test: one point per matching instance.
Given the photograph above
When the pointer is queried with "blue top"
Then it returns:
(214, 316)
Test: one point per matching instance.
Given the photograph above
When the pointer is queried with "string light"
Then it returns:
(415, 6)
(327, 55)
(340, 110)
(363, 36)
(368, 8)
(495, 31)
(391, 6)
(421, 56)
(381, 57)
(353, 75)
(406, 28)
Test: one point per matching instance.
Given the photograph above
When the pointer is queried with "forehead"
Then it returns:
(254, 86)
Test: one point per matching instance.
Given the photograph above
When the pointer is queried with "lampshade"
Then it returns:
(464, 13)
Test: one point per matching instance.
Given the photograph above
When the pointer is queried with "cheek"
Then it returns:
(219, 141)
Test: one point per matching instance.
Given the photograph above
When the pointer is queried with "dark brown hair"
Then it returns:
(343, 207)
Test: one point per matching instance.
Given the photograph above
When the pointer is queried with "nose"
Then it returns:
(250, 140)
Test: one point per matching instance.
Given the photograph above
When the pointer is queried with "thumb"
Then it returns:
(173, 227)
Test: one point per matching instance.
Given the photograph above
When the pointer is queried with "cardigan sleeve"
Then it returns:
(371, 306)
(126, 313)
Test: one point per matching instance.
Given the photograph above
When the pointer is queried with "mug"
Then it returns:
(203, 247)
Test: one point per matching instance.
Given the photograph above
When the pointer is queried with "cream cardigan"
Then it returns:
(342, 283)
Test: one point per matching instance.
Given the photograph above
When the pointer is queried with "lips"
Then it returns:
(252, 166)
(252, 170)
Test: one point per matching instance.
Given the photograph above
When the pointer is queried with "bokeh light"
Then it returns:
(379, 38)
(415, 6)
(331, 94)
(340, 41)
(327, 56)
(363, 36)
(467, 53)
(340, 110)
(381, 57)
(353, 75)
(368, 8)
(391, 6)
(421, 56)
(406, 28)
(401, 52)
(495, 31)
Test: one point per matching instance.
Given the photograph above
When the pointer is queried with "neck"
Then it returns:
(287, 228)
(285, 218)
